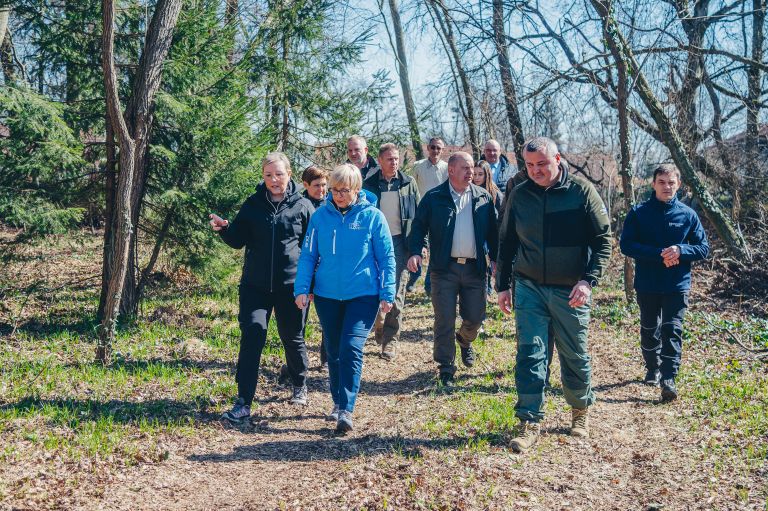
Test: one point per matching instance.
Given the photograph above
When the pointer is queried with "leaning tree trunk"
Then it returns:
(445, 22)
(6, 48)
(622, 103)
(132, 132)
(510, 95)
(753, 82)
(733, 240)
(5, 13)
(405, 83)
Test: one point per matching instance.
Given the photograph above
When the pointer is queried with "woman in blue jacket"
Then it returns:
(348, 250)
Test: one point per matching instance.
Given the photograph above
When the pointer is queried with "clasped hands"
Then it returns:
(671, 256)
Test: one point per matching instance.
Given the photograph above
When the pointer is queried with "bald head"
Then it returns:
(460, 168)
(492, 151)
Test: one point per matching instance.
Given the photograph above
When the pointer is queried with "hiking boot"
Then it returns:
(579, 423)
(238, 413)
(388, 351)
(668, 391)
(652, 377)
(446, 379)
(344, 423)
(527, 436)
(468, 356)
(285, 377)
(334, 415)
(299, 396)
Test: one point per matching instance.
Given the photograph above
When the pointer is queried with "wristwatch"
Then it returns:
(591, 282)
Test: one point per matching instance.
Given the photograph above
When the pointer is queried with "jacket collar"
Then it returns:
(373, 179)
(661, 204)
(291, 194)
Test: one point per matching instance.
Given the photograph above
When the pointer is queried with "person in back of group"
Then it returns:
(397, 195)
(482, 177)
(554, 277)
(271, 226)
(428, 173)
(501, 170)
(460, 220)
(663, 236)
(357, 154)
(348, 253)
(315, 182)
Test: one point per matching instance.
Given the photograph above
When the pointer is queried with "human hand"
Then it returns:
(414, 262)
(580, 294)
(217, 223)
(671, 256)
(505, 301)
(302, 301)
(385, 306)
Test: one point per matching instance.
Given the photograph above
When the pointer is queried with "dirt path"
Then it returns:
(639, 456)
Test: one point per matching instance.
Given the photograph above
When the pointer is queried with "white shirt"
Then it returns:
(390, 206)
(463, 244)
(428, 175)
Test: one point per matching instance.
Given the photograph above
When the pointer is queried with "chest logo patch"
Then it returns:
(356, 225)
(675, 224)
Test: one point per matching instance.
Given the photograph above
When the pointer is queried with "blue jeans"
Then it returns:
(346, 325)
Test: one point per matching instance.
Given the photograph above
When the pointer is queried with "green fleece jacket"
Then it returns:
(554, 236)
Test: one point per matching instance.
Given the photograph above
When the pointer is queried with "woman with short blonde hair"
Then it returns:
(348, 254)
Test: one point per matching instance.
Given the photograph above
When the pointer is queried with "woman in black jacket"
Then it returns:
(270, 225)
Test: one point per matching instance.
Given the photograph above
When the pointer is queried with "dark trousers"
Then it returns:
(661, 331)
(462, 283)
(256, 306)
(346, 325)
(387, 326)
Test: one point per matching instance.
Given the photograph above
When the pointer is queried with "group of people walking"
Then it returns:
(542, 233)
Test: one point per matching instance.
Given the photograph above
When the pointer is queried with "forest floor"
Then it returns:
(144, 433)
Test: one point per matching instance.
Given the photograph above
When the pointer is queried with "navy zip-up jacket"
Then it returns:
(651, 227)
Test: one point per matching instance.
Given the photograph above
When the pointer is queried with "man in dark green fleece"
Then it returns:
(555, 241)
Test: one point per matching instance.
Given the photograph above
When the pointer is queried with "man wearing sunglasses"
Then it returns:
(429, 173)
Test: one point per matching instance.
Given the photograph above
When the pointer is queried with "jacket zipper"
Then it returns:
(334, 242)
(544, 241)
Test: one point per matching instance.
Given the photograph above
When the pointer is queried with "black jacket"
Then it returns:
(409, 197)
(436, 217)
(316, 203)
(272, 237)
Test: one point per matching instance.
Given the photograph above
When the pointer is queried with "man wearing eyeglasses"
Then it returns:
(397, 196)
(429, 173)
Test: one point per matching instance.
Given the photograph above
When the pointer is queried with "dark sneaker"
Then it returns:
(468, 356)
(299, 396)
(334, 415)
(285, 377)
(344, 423)
(446, 379)
(579, 423)
(238, 413)
(652, 377)
(668, 391)
(527, 436)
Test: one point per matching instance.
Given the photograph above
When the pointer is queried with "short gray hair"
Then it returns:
(543, 144)
(359, 138)
(460, 155)
(389, 146)
(274, 157)
(346, 174)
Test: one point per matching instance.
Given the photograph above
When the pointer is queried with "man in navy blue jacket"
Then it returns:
(663, 236)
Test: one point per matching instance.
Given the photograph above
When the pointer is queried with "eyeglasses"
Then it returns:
(343, 191)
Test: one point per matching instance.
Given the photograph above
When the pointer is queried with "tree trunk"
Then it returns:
(753, 83)
(6, 53)
(622, 100)
(712, 209)
(402, 63)
(510, 95)
(231, 12)
(132, 133)
(445, 22)
(5, 13)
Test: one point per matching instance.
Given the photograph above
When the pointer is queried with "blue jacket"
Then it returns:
(651, 227)
(349, 255)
